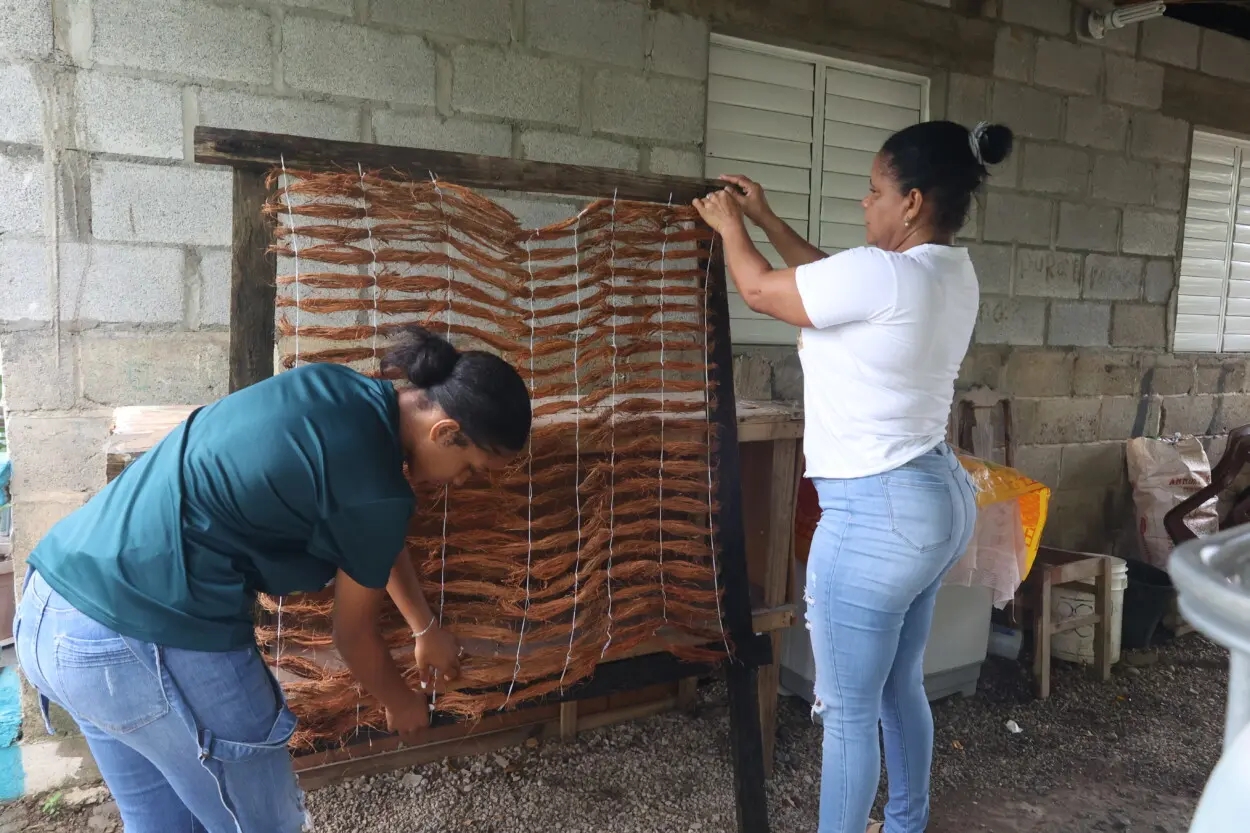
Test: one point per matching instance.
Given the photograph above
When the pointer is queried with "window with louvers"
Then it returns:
(806, 128)
(1213, 294)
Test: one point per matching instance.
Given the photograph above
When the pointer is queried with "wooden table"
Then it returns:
(769, 437)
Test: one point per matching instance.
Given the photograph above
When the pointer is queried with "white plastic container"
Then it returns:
(1066, 602)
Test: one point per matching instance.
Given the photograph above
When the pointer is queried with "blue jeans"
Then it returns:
(876, 563)
(186, 740)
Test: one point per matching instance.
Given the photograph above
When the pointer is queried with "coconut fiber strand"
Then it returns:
(598, 542)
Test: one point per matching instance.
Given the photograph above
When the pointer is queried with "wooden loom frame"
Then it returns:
(253, 288)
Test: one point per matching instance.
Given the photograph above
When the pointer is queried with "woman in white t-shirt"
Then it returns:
(884, 331)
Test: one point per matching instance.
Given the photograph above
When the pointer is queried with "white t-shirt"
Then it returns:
(889, 333)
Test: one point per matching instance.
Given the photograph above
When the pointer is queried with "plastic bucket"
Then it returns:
(1149, 597)
(1078, 600)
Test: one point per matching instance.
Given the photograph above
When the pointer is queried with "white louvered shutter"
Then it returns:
(806, 128)
(1213, 294)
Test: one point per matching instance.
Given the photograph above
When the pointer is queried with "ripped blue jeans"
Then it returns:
(877, 560)
(186, 740)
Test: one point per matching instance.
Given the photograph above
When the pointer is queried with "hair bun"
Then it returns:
(420, 356)
(995, 142)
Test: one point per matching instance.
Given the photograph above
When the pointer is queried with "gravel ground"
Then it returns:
(1132, 755)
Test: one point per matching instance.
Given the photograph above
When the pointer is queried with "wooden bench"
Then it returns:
(1057, 568)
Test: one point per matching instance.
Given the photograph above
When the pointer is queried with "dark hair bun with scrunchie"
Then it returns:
(421, 357)
(479, 390)
(946, 162)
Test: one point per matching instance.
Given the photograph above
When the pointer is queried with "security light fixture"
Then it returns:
(1099, 23)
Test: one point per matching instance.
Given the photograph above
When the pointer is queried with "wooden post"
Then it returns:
(1102, 631)
(568, 720)
(253, 283)
(1042, 627)
(687, 693)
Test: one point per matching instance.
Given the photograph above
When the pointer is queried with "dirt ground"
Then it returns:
(1130, 756)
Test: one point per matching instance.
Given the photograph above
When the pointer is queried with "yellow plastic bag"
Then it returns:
(997, 484)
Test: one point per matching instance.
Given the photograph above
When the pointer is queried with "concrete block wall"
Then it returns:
(114, 258)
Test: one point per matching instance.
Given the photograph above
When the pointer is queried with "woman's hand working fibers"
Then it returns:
(750, 196)
(409, 717)
(722, 211)
(437, 653)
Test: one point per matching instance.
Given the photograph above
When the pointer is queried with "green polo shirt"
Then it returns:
(269, 490)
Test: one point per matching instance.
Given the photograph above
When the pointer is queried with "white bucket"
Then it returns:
(1066, 602)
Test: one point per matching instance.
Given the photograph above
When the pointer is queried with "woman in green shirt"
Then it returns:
(137, 615)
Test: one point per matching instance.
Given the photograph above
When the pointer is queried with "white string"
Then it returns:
(663, 382)
(612, 427)
(577, 431)
(529, 506)
(707, 386)
(373, 267)
(442, 558)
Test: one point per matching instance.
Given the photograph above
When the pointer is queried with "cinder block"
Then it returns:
(968, 99)
(1225, 56)
(598, 30)
(753, 378)
(673, 162)
(1014, 54)
(1170, 183)
(295, 116)
(1138, 83)
(667, 109)
(1160, 279)
(119, 283)
(213, 271)
(1159, 137)
(399, 68)
(160, 204)
(26, 27)
(480, 20)
(1079, 324)
(189, 37)
(1013, 218)
(1107, 374)
(1057, 421)
(1055, 169)
(1214, 374)
(35, 377)
(1188, 415)
(21, 115)
(1110, 278)
(1088, 227)
(57, 453)
(1032, 114)
(983, 365)
(1123, 40)
(172, 368)
(1040, 462)
(1092, 465)
(1232, 412)
(1096, 125)
(510, 84)
(1047, 274)
(460, 135)
(1073, 68)
(1121, 180)
(33, 519)
(993, 267)
(1018, 321)
(1167, 375)
(1171, 42)
(135, 116)
(340, 7)
(22, 187)
(1139, 325)
(678, 45)
(1006, 174)
(1039, 373)
(1150, 233)
(1048, 15)
(25, 289)
(788, 379)
(546, 146)
(1125, 417)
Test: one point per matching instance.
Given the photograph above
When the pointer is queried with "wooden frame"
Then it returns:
(253, 289)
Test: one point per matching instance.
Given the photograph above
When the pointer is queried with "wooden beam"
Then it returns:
(741, 679)
(259, 152)
(253, 283)
(568, 721)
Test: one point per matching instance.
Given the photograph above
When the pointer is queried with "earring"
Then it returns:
(907, 223)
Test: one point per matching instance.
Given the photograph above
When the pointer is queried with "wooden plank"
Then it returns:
(1041, 635)
(1102, 631)
(688, 694)
(568, 721)
(253, 283)
(260, 152)
(740, 678)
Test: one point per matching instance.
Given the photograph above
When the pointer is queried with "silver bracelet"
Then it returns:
(426, 629)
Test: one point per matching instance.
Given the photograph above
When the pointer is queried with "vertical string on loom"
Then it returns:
(711, 422)
(529, 470)
(577, 432)
(442, 559)
(611, 425)
(373, 273)
(663, 392)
